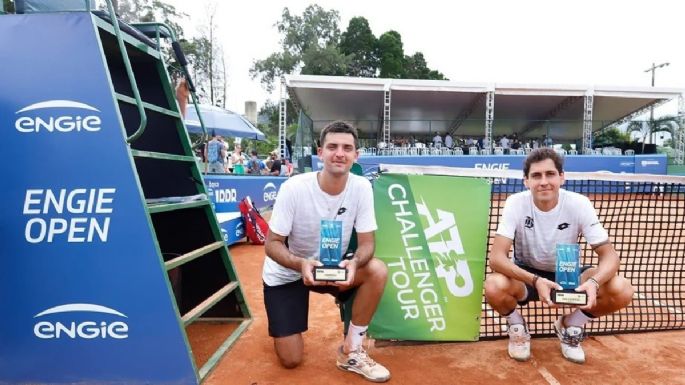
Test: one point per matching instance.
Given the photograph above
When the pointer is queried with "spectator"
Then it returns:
(276, 163)
(255, 165)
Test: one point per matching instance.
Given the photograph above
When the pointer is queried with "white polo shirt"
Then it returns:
(301, 205)
(535, 233)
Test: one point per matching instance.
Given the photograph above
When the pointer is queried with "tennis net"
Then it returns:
(645, 217)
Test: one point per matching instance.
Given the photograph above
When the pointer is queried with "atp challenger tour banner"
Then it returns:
(432, 235)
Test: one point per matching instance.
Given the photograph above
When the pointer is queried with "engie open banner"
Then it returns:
(432, 236)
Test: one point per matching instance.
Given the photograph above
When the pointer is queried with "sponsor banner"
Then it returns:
(651, 164)
(432, 233)
(226, 191)
(580, 163)
(83, 291)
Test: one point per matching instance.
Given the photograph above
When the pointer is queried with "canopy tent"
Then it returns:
(221, 121)
(423, 107)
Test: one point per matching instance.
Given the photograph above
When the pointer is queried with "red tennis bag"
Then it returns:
(256, 227)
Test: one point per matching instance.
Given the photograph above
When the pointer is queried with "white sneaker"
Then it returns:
(519, 342)
(359, 362)
(570, 338)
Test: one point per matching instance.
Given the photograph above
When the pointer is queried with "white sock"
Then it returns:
(355, 336)
(515, 318)
(577, 318)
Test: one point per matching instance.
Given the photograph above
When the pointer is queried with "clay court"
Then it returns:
(635, 358)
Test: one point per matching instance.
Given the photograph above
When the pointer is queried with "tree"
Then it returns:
(391, 55)
(644, 128)
(361, 47)
(8, 5)
(324, 61)
(310, 34)
(611, 136)
(415, 67)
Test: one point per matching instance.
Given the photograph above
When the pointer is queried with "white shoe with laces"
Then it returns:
(571, 338)
(519, 342)
(359, 362)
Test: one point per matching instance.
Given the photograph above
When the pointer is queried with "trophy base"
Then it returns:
(569, 297)
(330, 273)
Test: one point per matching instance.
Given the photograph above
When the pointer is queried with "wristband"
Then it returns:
(595, 282)
(535, 279)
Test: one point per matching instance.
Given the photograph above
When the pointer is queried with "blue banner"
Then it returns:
(83, 291)
(226, 191)
(653, 164)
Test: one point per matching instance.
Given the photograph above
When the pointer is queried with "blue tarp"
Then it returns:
(224, 122)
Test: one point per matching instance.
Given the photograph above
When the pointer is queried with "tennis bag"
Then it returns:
(256, 227)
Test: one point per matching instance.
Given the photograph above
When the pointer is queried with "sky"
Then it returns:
(599, 42)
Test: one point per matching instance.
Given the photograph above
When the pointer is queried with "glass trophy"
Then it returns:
(567, 275)
(330, 253)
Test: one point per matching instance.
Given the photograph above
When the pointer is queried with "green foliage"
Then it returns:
(8, 6)
(415, 67)
(324, 61)
(391, 55)
(308, 35)
(312, 44)
(270, 109)
(611, 136)
(645, 128)
(361, 46)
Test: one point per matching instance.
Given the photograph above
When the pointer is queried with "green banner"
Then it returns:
(432, 236)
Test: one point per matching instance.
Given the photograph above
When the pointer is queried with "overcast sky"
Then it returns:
(526, 41)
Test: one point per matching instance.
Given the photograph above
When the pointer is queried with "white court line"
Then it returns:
(670, 309)
(545, 374)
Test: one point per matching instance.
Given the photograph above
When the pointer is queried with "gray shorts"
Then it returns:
(216, 168)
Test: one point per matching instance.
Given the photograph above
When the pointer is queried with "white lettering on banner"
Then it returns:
(57, 203)
(270, 192)
(494, 166)
(225, 195)
(88, 329)
(449, 267)
(410, 274)
(57, 123)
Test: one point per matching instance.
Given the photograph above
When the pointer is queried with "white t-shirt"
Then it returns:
(536, 233)
(299, 209)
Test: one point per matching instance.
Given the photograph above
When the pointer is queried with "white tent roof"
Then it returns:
(419, 107)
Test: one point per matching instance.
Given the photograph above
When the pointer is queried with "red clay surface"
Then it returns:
(645, 358)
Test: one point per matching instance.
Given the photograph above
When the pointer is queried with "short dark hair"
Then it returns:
(253, 152)
(339, 127)
(540, 154)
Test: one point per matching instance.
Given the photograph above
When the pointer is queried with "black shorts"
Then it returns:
(533, 292)
(287, 306)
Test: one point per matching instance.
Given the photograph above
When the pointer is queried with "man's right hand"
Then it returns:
(544, 287)
(307, 271)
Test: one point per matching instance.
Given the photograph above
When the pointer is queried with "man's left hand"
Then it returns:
(351, 266)
(591, 289)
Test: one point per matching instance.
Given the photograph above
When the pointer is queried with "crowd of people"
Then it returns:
(440, 140)
(219, 160)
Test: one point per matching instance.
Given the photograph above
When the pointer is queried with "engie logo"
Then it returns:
(270, 192)
(94, 321)
(58, 116)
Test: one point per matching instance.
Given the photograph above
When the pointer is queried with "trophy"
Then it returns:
(567, 276)
(330, 253)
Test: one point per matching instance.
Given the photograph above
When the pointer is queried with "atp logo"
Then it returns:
(444, 242)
